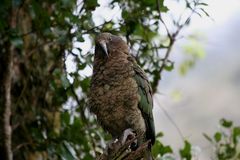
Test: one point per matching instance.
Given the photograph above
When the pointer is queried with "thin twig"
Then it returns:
(165, 59)
(96, 27)
(160, 18)
(26, 34)
(83, 116)
(172, 121)
(172, 37)
(40, 46)
(20, 146)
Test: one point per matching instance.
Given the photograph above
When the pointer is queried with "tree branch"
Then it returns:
(120, 149)
(171, 36)
(161, 20)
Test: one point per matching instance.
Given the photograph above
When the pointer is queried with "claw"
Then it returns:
(128, 134)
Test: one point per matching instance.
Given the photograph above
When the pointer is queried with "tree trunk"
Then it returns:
(5, 103)
(7, 50)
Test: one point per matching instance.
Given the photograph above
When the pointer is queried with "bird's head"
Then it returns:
(107, 45)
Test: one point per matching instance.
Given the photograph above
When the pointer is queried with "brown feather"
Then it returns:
(114, 94)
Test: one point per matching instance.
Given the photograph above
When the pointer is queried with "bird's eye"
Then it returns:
(109, 38)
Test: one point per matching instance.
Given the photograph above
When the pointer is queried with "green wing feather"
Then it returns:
(146, 102)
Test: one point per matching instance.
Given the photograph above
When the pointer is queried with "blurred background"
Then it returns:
(211, 88)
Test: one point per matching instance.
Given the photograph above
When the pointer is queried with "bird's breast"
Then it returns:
(114, 96)
(114, 102)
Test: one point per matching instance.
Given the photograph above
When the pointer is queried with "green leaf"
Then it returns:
(66, 3)
(225, 123)
(195, 49)
(160, 134)
(81, 66)
(91, 4)
(230, 151)
(169, 66)
(165, 150)
(64, 152)
(162, 7)
(85, 84)
(217, 136)
(236, 134)
(150, 3)
(125, 14)
(80, 38)
(65, 81)
(185, 66)
(160, 149)
(203, 4)
(186, 151)
(65, 118)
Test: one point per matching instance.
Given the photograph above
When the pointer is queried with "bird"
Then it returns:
(120, 94)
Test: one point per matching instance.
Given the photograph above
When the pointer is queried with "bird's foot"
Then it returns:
(128, 134)
(125, 146)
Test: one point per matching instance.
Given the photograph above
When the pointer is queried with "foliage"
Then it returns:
(193, 51)
(50, 119)
(226, 141)
(162, 152)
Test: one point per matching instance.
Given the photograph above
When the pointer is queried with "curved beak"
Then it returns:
(104, 47)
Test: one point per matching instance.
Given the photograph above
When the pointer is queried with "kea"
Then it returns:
(120, 94)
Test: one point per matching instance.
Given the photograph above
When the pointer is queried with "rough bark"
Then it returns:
(5, 103)
(7, 50)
